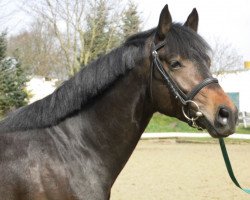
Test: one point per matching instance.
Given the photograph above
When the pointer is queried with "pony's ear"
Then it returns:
(192, 20)
(165, 22)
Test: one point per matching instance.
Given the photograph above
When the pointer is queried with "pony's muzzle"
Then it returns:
(225, 120)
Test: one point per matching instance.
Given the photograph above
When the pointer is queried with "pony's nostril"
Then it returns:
(223, 116)
(224, 113)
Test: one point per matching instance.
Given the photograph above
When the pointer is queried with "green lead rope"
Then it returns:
(228, 165)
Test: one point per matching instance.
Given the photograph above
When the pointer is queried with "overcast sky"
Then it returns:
(224, 19)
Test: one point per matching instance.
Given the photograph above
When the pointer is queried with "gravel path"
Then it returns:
(165, 170)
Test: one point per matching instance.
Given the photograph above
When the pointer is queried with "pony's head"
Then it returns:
(182, 85)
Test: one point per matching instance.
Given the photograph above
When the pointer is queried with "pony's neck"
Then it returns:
(122, 113)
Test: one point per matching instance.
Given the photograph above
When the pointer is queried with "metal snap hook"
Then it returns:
(198, 112)
(154, 53)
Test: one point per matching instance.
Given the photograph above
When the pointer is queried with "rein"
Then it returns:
(228, 165)
(185, 99)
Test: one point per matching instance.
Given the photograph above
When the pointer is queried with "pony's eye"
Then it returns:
(174, 64)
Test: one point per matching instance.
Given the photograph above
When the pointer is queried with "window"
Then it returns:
(234, 96)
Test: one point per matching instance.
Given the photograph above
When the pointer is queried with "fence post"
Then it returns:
(244, 119)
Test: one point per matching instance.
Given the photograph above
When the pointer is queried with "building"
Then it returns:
(38, 87)
(237, 86)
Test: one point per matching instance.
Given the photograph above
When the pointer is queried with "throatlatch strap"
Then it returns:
(229, 167)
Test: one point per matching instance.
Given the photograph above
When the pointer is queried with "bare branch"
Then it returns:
(84, 28)
(225, 57)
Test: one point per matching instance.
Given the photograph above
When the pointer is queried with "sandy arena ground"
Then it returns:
(164, 170)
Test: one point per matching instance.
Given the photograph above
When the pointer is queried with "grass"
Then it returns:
(241, 129)
(162, 123)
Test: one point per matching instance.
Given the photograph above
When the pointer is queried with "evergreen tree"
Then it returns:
(12, 81)
(96, 36)
(131, 20)
(3, 46)
(101, 34)
(104, 32)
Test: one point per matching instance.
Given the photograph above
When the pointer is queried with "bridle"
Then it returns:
(185, 99)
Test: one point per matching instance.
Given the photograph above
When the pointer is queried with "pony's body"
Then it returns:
(81, 156)
(54, 159)
(73, 144)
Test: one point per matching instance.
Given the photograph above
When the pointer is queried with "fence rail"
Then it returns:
(244, 118)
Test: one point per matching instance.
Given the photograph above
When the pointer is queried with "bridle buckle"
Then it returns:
(198, 114)
(154, 53)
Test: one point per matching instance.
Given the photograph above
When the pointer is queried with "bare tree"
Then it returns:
(37, 49)
(10, 19)
(225, 57)
(65, 18)
(4, 14)
(78, 25)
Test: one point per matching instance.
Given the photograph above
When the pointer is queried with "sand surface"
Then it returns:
(165, 170)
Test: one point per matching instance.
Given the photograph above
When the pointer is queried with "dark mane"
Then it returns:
(139, 38)
(75, 93)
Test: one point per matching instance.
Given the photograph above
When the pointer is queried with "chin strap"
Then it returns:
(228, 165)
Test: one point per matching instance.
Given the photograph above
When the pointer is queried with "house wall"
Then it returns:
(39, 88)
(238, 82)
